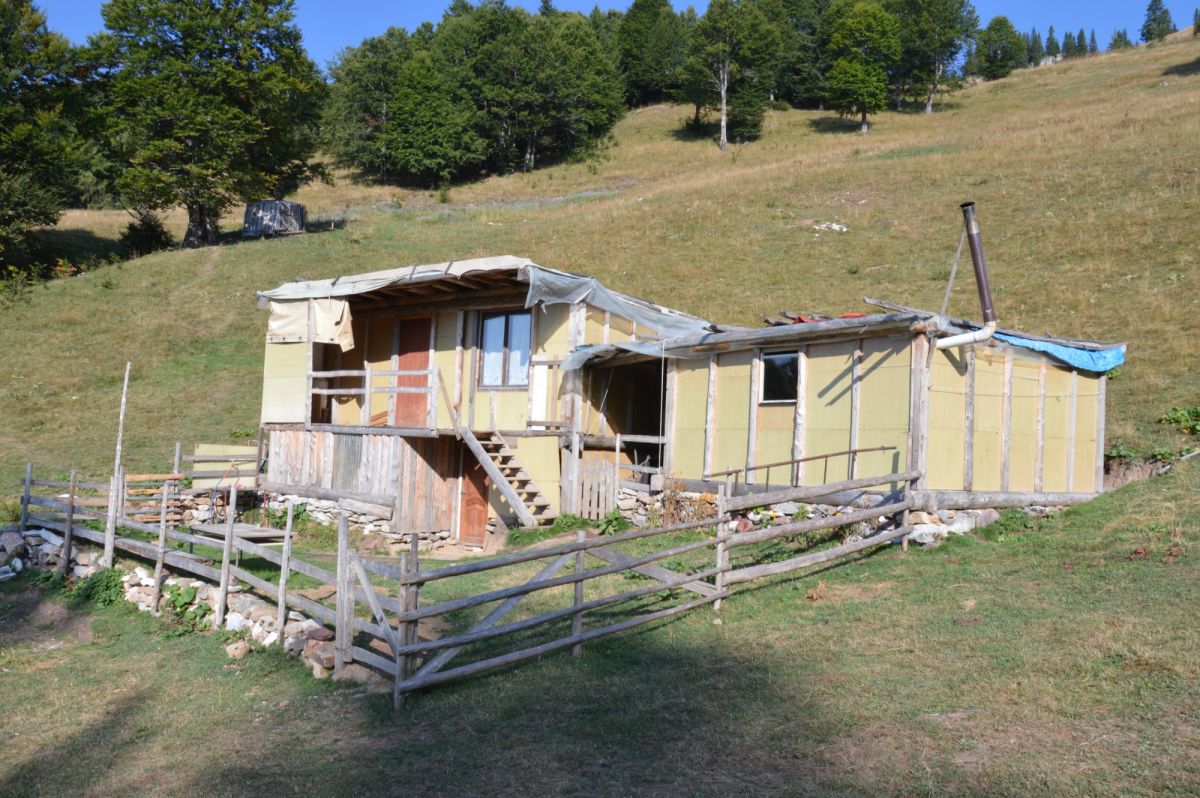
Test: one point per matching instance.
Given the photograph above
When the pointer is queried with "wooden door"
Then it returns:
(473, 515)
(412, 409)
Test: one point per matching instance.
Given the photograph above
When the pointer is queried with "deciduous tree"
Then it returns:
(864, 43)
(1001, 49)
(652, 48)
(932, 36)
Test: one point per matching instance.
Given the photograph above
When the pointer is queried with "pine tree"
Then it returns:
(1092, 46)
(1052, 48)
(1001, 49)
(1120, 40)
(865, 44)
(1081, 43)
(1158, 24)
(1068, 45)
(1196, 22)
(208, 104)
(1037, 50)
(652, 48)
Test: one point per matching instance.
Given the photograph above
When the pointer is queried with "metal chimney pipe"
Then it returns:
(981, 282)
(971, 222)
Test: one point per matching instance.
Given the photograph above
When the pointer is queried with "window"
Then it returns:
(779, 376)
(505, 339)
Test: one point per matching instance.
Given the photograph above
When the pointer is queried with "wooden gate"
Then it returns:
(597, 488)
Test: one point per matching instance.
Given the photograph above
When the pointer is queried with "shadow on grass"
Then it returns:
(1184, 70)
(835, 124)
(707, 130)
(74, 244)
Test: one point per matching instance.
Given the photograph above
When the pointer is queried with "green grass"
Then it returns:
(1085, 175)
(1058, 661)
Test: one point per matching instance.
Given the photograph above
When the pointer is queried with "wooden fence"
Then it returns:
(378, 605)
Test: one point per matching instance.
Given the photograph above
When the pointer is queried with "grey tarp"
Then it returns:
(272, 218)
(551, 287)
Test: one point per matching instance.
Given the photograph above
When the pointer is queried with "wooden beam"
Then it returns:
(710, 414)
(969, 419)
(855, 405)
(498, 479)
(799, 428)
(1072, 421)
(1006, 422)
(1039, 452)
(815, 558)
(919, 407)
(752, 420)
(1102, 388)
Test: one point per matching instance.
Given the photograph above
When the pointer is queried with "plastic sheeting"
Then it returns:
(1094, 360)
(553, 287)
(272, 218)
(353, 284)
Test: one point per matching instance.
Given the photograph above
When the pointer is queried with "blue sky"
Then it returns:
(330, 25)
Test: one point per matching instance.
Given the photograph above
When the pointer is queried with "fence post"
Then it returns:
(162, 550)
(344, 609)
(110, 523)
(226, 552)
(403, 669)
(177, 463)
(24, 523)
(285, 566)
(722, 547)
(577, 617)
(64, 561)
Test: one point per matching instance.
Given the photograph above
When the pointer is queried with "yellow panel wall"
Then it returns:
(947, 417)
(1057, 421)
(1022, 455)
(883, 405)
(285, 377)
(552, 330)
(380, 345)
(732, 410)
(989, 418)
(827, 412)
(1086, 407)
(445, 327)
(687, 437)
(776, 427)
(593, 332)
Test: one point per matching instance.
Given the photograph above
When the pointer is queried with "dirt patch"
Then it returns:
(30, 618)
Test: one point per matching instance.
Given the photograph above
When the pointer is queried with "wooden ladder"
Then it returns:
(510, 478)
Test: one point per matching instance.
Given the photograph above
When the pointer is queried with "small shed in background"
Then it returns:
(273, 218)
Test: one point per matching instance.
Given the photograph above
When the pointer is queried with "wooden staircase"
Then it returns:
(510, 478)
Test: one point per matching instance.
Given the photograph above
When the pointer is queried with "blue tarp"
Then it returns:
(1096, 360)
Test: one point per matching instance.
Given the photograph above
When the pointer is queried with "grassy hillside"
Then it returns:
(1086, 176)
(1056, 661)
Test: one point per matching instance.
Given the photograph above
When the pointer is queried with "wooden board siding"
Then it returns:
(420, 472)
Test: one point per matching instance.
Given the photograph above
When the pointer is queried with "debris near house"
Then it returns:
(270, 218)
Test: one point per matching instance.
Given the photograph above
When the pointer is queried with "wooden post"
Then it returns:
(226, 552)
(24, 522)
(722, 547)
(285, 567)
(410, 599)
(64, 561)
(344, 610)
(577, 618)
(178, 462)
(162, 549)
(403, 661)
(121, 417)
(365, 414)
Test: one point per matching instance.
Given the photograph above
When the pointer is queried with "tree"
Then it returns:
(1158, 24)
(932, 35)
(1001, 49)
(1052, 48)
(41, 153)
(731, 54)
(865, 44)
(1069, 47)
(208, 103)
(1092, 46)
(1196, 22)
(1120, 40)
(1081, 45)
(652, 49)
(606, 25)
(1035, 51)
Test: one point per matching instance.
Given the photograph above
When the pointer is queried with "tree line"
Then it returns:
(203, 105)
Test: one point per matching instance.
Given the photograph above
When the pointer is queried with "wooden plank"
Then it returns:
(653, 571)
(419, 682)
(345, 602)
(799, 429)
(814, 491)
(1102, 388)
(23, 523)
(64, 560)
(162, 552)
(226, 551)
(919, 420)
(284, 573)
(815, 558)
(368, 657)
(1039, 459)
(373, 602)
(977, 500)
(969, 420)
(1072, 421)
(671, 395)
(710, 403)
(1006, 422)
(752, 415)
(577, 603)
(856, 359)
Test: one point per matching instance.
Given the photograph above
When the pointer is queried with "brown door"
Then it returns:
(472, 530)
(412, 409)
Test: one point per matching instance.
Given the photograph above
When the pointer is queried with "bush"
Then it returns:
(1185, 419)
(103, 588)
(145, 235)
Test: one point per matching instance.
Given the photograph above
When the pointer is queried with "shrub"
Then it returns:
(1185, 419)
(146, 234)
(103, 588)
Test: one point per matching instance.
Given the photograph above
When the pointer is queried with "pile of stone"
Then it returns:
(930, 529)
(636, 505)
(364, 516)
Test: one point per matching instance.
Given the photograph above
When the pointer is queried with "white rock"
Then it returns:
(146, 581)
(270, 639)
(927, 534)
(235, 622)
(16, 565)
(83, 557)
(294, 645)
(786, 508)
(962, 525)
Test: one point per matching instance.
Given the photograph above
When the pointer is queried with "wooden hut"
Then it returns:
(445, 395)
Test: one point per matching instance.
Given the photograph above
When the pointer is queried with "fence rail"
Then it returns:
(377, 606)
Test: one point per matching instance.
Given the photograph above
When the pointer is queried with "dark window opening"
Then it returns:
(780, 371)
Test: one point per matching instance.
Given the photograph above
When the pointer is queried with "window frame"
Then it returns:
(504, 384)
(762, 377)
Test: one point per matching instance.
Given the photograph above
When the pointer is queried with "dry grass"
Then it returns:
(1085, 174)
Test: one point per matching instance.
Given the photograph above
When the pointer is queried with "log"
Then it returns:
(813, 491)
(815, 558)
(815, 524)
(160, 560)
(226, 551)
(284, 571)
